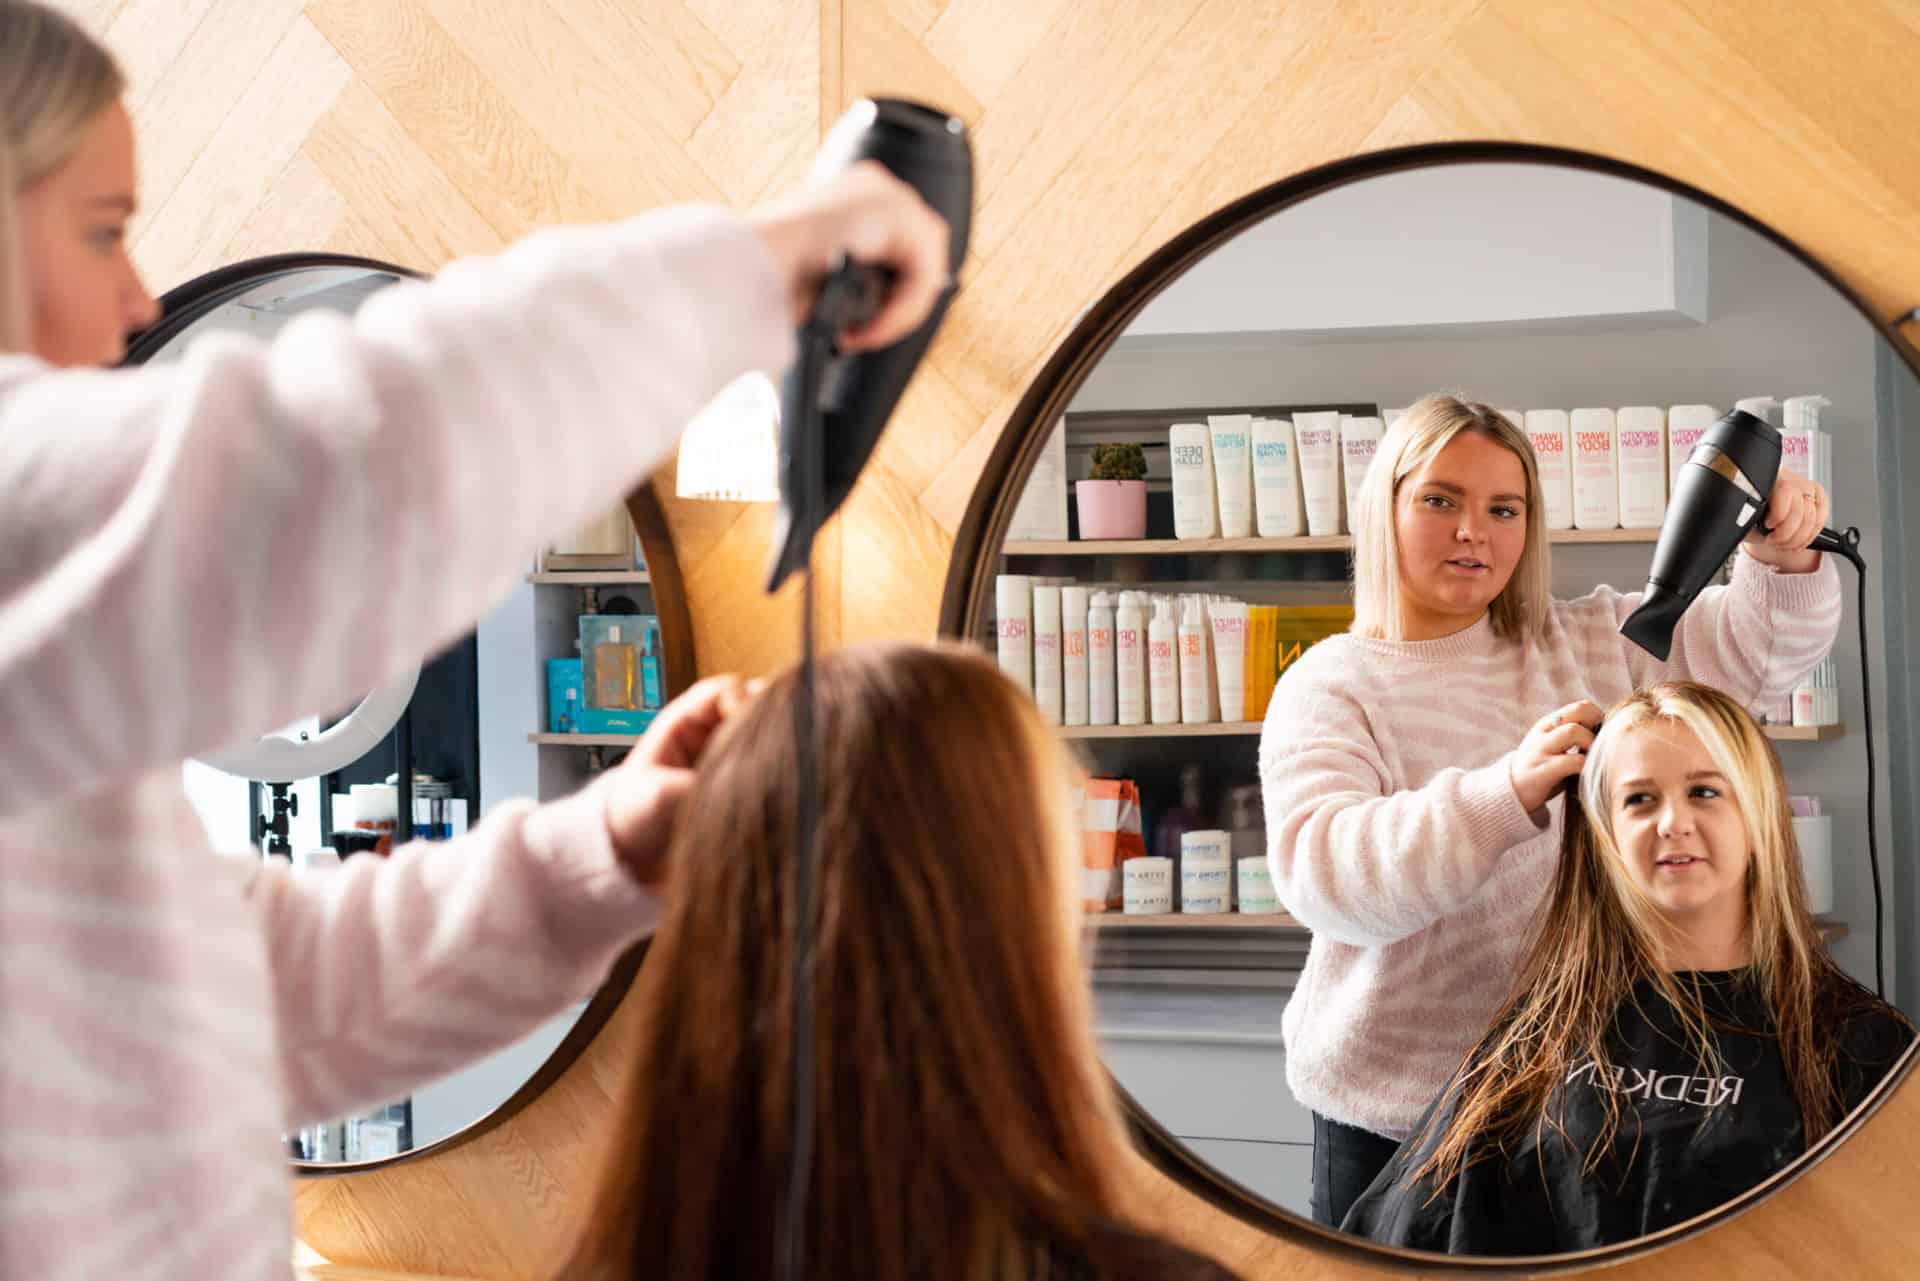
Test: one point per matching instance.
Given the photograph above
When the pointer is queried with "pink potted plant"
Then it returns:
(1114, 503)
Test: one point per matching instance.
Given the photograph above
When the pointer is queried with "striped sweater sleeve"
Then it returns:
(390, 973)
(1754, 637)
(1354, 860)
(194, 553)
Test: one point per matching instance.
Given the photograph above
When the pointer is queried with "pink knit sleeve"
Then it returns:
(194, 553)
(392, 972)
(1354, 861)
(1754, 637)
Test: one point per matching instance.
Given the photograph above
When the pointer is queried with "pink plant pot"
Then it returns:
(1112, 508)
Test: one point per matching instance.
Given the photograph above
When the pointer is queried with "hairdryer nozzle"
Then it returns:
(1651, 624)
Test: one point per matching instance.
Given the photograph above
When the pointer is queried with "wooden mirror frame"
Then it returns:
(989, 512)
(182, 306)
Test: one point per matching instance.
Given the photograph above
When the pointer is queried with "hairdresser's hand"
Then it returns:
(870, 215)
(1797, 510)
(1552, 752)
(644, 793)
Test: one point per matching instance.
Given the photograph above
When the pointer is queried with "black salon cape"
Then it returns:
(1690, 1158)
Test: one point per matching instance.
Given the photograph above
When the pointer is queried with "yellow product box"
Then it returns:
(1300, 627)
(1262, 671)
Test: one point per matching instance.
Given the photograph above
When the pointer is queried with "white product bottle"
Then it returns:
(1388, 417)
(1233, 472)
(1686, 424)
(1317, 435)
(1041, 513)
(1518, 417)
(1196, 690)
(1190, 445)
(1276, 480)
(1228, 618)
(1803, 418)
(1100, 665)
(1047, 678)
(1359, 440)
(1013, 609)
(1761, 407)
(1643, 466)
(1553, 454)
(1130, 659)
(1163, 664)
(1596, 469)
(1073, 655)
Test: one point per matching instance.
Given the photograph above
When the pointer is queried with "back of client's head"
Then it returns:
(961, 1113)
(1600, 937)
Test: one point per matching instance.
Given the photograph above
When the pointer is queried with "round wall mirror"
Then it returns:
(1193, 454)
(461, 731)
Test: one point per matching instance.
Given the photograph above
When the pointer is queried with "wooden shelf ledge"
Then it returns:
(1226, 729)
(590, 577)
(1218, 546)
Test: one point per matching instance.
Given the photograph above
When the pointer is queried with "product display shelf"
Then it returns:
(1182, 921)
(584, 740)
(1327, 543)
(659, 591)
(589, 577)
(1831, 931)
(1226, 729)
(1205, 729)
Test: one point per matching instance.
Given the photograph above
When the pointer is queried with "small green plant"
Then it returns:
(1119, 462)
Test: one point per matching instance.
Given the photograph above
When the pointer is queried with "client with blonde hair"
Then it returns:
(963, 1124)
(1678, 1032)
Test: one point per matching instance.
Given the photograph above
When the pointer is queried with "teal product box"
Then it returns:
(566, 695)
(600, 720)
(652, 663)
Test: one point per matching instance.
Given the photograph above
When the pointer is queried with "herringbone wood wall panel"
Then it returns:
(418, 130)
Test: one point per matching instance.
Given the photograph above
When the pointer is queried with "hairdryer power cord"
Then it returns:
(816, 347)
(1851, 550)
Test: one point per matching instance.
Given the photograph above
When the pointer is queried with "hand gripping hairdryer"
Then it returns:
(1718, 496)
(833, 407)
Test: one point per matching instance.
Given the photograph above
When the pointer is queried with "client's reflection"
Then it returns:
(1678, 1032)
(963, 1123)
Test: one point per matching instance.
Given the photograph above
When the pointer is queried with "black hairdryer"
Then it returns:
(833, 407)
(1718, 496)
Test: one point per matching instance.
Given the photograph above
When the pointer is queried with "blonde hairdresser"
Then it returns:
(1409, 766)
(173, 543)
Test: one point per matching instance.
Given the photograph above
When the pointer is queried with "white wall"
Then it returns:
(1776, 329)
(1520, 248)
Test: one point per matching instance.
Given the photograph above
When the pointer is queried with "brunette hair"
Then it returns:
(963, 1120)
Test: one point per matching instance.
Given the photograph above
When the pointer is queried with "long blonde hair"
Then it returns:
(1426, 428)
(54, 80)
(1601, 939)
(962, 1113)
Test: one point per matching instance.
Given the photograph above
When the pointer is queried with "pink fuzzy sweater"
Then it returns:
(172, 541)
(1394, 833)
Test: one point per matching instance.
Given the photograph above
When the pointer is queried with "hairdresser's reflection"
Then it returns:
(964, 1126)
(1409, 768)
(1678, 1032)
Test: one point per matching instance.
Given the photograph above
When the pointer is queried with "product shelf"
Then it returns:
(1181, 921)
(589, 577)
(1217, 546)
(1222, 729)
(584, 740)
